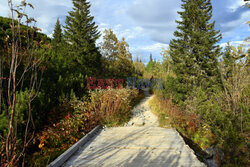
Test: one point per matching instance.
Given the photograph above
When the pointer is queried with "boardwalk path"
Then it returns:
(140, 143)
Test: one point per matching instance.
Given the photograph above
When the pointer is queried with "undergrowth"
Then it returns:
(187, 124)
(106, 107)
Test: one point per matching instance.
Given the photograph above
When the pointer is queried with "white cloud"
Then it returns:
(245, 44)
(237, 4)
(234, 23)
(155, 47)
(147, 25)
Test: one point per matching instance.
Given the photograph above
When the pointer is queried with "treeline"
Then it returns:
(43, 84)
(206, 90)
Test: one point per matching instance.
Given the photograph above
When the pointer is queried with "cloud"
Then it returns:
(45, 12)
(158, 17)
(229, 15)
(147, 25)
(155, 47)
(245, 44)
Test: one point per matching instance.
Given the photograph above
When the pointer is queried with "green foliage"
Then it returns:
(186, 123)
(117, 60)
(140, 68)
(212, 95)
(151, 64)
(81, 34)
(66, 60)
(4, 123)
(57, 35)
(108, 107)
(194, 52)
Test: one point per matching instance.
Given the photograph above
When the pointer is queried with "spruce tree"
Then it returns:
(81, 34)
(228, 61)
(194, 51)
(151, 64)
(57, 35)
(151, 57)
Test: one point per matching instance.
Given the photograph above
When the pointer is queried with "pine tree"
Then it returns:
(194, 52)
(151, 57)
(81, 34)
(151, 64)
(57, 35)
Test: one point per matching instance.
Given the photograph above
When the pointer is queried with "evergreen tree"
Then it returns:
(151, 57)
(228, 60)
(151, 64)
(194, 52)
(81, 34)
(57, 35)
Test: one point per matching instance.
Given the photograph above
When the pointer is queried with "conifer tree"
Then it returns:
(151, 57)
(57, 35)
(81, 34)
(194, 51)
(228, 60)
(151, 64)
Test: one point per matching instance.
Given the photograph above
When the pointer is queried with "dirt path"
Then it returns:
(139, 143)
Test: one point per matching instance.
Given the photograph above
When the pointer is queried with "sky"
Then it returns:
(147, 25)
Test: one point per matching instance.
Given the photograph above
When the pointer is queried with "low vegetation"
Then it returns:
(105, 107)
(45, 106)
(205, 95)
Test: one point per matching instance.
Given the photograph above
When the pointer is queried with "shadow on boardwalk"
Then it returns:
(136, 146)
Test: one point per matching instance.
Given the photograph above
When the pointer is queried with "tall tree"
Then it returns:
(151, 63)
(57, 35)
(194, 51)
(81, 34)
(117, 58)
(109, 45)
(125, 62)
(228, 60)
(151, 57)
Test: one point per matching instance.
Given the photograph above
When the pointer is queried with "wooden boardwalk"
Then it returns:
(141, 143)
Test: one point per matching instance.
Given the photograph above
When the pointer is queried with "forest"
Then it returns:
(47, 104)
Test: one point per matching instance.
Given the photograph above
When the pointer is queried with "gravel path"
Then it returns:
(140, 143)
(142, 115)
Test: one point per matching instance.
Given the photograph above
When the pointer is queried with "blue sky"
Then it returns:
(147, 25)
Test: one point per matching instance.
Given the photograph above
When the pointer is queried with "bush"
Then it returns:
(228, 127)
(185, 122)
(106, 107)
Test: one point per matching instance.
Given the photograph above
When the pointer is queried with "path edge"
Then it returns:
(59, 161)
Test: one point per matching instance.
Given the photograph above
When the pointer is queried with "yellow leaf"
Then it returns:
(41, 145)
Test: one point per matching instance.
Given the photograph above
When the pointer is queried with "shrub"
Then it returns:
(185, 122)
(106, 107)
